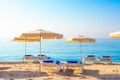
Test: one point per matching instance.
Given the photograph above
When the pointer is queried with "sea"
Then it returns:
(60, 49)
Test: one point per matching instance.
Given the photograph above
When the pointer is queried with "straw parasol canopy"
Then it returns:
(80, 39)
(41, 34)
(115, 34)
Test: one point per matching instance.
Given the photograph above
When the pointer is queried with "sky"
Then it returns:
(91, 18)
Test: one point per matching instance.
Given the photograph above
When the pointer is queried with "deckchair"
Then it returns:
(72, 64)
(90, 57)
(43, 57)
(106, 58)
(29, 58)
(51, 63)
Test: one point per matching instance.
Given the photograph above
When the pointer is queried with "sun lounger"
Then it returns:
(90, 58)
(106, 58)
(29, 58)
(51, 63)
(72, 64)
(42, 57)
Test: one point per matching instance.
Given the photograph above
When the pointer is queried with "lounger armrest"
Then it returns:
(57, 62)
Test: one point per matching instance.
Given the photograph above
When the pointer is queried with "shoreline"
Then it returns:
(61, 61)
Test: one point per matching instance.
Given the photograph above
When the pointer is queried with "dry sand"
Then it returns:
(29, 71)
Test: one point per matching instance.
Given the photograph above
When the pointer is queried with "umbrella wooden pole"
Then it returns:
(40, 55)
(80, 51)
(25, 47)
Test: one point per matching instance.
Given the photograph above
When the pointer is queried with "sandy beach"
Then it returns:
(29, 71)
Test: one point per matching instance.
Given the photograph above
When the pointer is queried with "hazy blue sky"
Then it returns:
(92, 18)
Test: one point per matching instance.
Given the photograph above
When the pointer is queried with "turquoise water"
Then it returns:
(60, 49)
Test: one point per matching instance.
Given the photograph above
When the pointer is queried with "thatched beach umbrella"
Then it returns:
(80, 39)
(41, 34)
(115, 34)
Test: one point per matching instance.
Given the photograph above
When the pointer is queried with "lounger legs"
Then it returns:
(109, 60)
(95, 60)
(58, 68)
(64, 68)
(79, 67)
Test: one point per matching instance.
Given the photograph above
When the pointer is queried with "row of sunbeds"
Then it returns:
(97, 60)
(48, 62)
(34, 59)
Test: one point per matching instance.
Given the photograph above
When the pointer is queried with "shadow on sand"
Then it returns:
(95, 73)
(91, 73)
(5, 74)
(4, 68)
(21, 74)
(70, 73)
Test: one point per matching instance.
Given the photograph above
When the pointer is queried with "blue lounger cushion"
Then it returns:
(105, 56)
(41, 55)
(48, 61)
(51, 61)
(74, 62)
(90, 55)
(28, 55)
